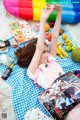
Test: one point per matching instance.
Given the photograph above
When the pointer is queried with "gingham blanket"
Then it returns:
(24, 92)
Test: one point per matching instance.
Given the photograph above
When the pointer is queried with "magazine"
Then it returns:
(62, 96)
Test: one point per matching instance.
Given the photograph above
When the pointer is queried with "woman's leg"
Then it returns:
(74, 114)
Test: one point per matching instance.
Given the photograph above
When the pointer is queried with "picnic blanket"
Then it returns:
(24, 92)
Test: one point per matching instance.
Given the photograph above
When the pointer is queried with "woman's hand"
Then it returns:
(46, 12)
(57, 7)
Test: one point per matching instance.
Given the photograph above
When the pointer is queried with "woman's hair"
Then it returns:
(24, 55)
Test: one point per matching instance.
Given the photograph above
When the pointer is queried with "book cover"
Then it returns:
(62, 96)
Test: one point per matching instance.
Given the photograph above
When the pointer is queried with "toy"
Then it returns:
(31, 9)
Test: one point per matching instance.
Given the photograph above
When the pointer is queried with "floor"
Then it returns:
(5, 89)
(5, 101)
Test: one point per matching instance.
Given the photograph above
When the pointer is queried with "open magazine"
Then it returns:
(62, 96)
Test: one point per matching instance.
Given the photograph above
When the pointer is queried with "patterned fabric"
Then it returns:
(24, 92)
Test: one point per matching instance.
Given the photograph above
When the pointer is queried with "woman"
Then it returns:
(41, 62)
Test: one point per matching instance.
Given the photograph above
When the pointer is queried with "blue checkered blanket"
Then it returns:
(24, 92)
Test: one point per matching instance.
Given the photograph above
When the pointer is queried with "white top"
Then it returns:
(45, 76)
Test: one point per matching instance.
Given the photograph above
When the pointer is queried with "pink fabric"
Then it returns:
(45, 76)
(36, 78)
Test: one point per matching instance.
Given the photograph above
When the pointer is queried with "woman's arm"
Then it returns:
(40, 43)
(55, 31)
(39, 47)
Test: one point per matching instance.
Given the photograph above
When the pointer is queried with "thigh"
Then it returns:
(74, 113)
